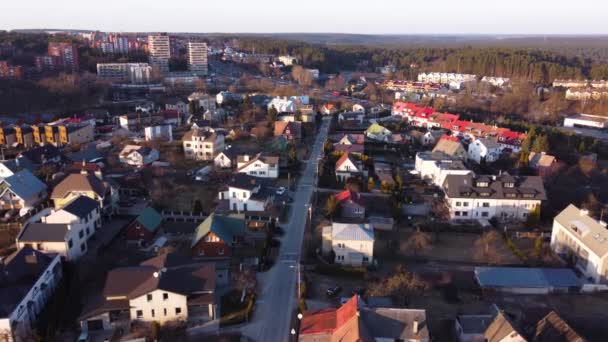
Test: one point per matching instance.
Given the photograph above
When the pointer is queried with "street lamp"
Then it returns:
(293, 331)
(300, 316)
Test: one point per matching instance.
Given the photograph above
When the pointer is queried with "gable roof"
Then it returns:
(351, 197)
(81, 206)
(270, 160)
(346, 156)
(590, 232)
(353, 148)
(352, 231)
(375, 128)
(43, 232)
(226, 227)
(41, 154)
(329, 320)
(461, 186)
(294, 127)
(449, 146)
(245, 181)
(18, 164)
(552, 328)
(79, 182)
(488, 143)
(24, 184)
(150, 219)
(536, 160)
(500, 328)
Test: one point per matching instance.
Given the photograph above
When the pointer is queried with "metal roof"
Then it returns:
(352, 231)
(524, 277)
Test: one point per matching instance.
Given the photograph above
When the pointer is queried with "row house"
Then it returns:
(445, 78)
(28, 279)
(570, 83)
(586, 94)
(506, 197)
(436, 166)
(135, 122)
(60, 134)
(496, 81)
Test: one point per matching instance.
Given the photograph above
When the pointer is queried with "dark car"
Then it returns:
(333, 291)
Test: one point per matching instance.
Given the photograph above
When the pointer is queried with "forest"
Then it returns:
(536, 65)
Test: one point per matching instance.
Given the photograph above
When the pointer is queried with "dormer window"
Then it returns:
(482, 184)
(484, 194)
(509, 185)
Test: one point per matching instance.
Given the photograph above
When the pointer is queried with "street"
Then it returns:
(277, 287)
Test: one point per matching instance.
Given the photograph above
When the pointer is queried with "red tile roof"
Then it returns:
(350, 196)
(327, 321)
(170, 114)
(449, 137)
(344, 158)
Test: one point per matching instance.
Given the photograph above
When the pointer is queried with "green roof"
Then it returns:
(150, 219)
(224, 226)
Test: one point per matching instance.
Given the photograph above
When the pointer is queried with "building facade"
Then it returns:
(197, 58)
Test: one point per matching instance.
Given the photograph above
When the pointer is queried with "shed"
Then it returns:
(523, 280)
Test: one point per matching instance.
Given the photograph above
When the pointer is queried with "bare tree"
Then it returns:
(400, 285)
(418, 242)
(486, 247)
(330, 206)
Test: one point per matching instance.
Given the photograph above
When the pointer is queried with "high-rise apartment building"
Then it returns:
(197, 57)
(66, 54)
(136, 73)
(160, 51)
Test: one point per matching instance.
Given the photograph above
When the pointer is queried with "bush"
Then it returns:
(517, 251)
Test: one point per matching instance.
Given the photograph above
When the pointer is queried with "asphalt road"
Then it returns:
(277, 295)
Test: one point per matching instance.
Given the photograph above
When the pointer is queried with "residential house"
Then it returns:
(138, 156)
(246, 193)
(347, 167)
(505, 197)
(203, 101)
(28, 280)
(329, 109)
(378, 133)
(42, 155)
(351, 204)
(65, 231)
(496, 81)
(355, 118)
(7, 136)
(203, 143)
(436, 166)
(483, 149)
(472, 328)
(145, 226)
(22, 191)
(353, 149)
(553, 328)
(85, 184)
(544, 164)
(431, 137)
(282, 105)
(88, 154)
(502, 329)
(578, 237)
(451, 146)
(172, 117)
(12, 166)
(225, 159)
(61, 133)
(355, 321)
(357, 108)
(24, 135)
(134, 122)
(167, 288)
(164, 133)
(226, 97)
(384, 173)
(224, 236)
(176, 104)
(290, 131)
(260, 165)
(348, 139)
(352, 243)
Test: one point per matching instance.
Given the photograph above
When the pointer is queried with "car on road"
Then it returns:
(281, 191)
(333, 291)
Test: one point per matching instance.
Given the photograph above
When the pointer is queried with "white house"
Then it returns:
(29, 279)
(246, 193)
(203, 100)
(282, 105)
(22, 191)
(225, 159)
(355, 117)
(578, 237)
(260, 165)
(65, 231)
(177, 104)
(347, 167)
(138, 156)
(167, 288)
(164, 132)
(436, 166)
(586, 120)
(202, 143)
(352, 243)
(357, 108)
(505, 197)
(484, 149)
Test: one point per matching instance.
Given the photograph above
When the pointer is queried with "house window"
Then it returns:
(457, 213)
(81, 234)
(152, 312)
(87, 231)
(188, 145)
(262, 172)
(165, 296)
(465, 213)
(486, 204)
(70, 243)
(253, 173)
(244, 194)
(234, 194)
(165, 311)
(458, 204)
(220, 251)
(178, 311)
(465, 204)
(149, 297)
(83, 247)
(139, 314)
(484, 214)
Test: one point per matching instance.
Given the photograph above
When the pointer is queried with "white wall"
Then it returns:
(262, 170)
(516, 209)
(352, 246)
(158, 304)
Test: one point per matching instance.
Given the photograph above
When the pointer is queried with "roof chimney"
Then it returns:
(604, 224)
(584, 212)
(246, 157)
(415, 327)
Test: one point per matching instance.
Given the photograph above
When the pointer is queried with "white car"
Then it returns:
(281, 191)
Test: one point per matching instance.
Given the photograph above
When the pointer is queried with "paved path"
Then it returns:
(276, 299)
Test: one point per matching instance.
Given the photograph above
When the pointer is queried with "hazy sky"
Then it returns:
(339, 16)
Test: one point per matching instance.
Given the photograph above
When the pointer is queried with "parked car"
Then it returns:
(281, 191)
(333, 291)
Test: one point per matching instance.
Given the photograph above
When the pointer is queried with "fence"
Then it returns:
(183, 216)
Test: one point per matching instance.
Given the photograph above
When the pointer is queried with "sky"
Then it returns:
(329, 16)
